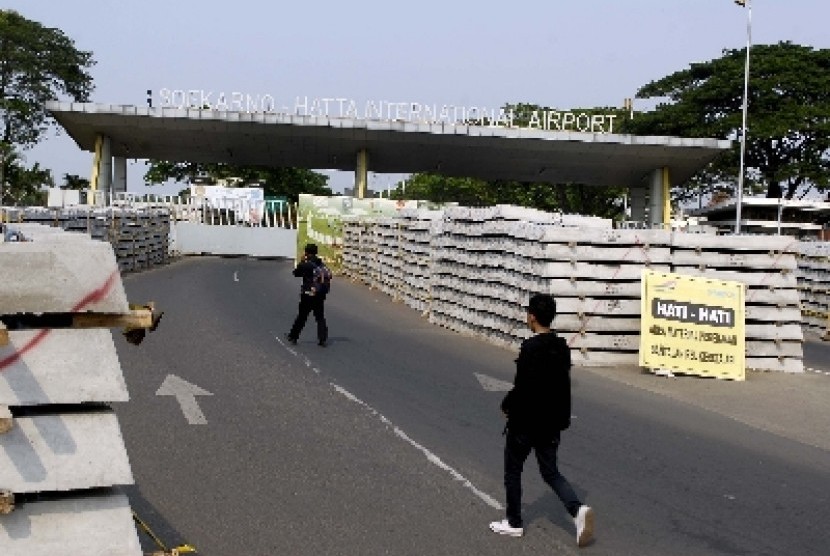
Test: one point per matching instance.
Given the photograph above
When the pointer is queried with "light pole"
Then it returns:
(740, 193)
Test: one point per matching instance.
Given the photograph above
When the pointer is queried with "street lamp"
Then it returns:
(740, 194)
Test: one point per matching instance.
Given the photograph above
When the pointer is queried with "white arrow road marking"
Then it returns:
(493, 384)
(185, 393)
(236, 276)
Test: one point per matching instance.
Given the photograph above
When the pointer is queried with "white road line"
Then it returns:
(431, 457)
(298, 355)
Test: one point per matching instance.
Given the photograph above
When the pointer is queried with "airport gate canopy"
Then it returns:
(556, 147)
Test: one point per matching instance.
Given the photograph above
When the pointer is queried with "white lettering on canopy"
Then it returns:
(382, 110)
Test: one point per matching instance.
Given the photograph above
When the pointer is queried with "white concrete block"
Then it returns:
(596, 323)
(94, 525)
(594, 271)
(775, 349)
(759, 244)
(773, 314)
(570, 288)
(64, 452)
(60, 366)
(770, 279)
(598, 306)
(55, 277)
(781, 365)
(588, 253)
(596, 342)
(749, 261)
(604, 358)
(766, 331)
(605, 237)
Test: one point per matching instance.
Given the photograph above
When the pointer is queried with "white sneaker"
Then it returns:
(503, 528)
(584, 526)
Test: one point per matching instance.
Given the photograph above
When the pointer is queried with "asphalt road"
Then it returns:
(385, 442)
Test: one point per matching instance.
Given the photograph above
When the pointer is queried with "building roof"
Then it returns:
(762, 214)
(284, 140)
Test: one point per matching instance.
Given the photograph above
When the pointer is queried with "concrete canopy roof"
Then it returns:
(281, 140)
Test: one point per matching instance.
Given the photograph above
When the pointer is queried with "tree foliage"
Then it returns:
(27, 184)
(276, 182)
(568, 198)
(788, 122)
(37, 64)
(74, 181)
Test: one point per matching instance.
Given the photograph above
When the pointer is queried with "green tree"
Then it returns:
(74, 181)
(567, 198)
(443, 189)
(29, 184)
(788, 123)
(276, 182)
(37, 64)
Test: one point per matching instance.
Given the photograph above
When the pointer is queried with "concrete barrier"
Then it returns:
(814, 286)
(471, 269)
(140, 236)
(63, 457)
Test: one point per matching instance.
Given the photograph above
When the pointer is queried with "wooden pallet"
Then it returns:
(136, 322)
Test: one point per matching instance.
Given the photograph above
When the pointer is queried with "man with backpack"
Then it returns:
(315, 286)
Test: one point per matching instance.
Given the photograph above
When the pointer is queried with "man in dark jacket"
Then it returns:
(538, 408)
(311, 298)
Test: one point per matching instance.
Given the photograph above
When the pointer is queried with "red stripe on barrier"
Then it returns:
(92, 297)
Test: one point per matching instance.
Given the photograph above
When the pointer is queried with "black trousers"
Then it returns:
(309, 304)
(516, 450)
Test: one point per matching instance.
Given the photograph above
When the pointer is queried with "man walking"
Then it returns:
(538, 408)
(313, 292)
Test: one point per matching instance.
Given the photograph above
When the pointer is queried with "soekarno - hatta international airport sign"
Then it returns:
(693, 325)
(383, 110)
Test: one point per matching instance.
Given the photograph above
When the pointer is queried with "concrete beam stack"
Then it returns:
(478, 276)
(814, 285)
(358, 248)
(595, 276)
(484, 263)
(767, 266)
(139, 236)
(418, 228)
(387, 270)
(63, 458)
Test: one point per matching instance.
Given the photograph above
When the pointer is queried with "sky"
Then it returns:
(562, 54)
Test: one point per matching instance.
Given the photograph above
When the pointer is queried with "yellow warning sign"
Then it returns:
(693, 325)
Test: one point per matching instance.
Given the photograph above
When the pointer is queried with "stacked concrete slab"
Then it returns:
(361, 251)
(63, 458)
(767, 266)
(477, 272)
(492, 260)
(595, 276)
(814, 285)
(140, 237)
(388, 265)
(417, 230)
(358, 248)
(483, 263)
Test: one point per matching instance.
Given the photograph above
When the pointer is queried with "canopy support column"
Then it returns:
(119, 174)
(361, 174)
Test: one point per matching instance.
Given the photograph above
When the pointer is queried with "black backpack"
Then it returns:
(321, 279)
